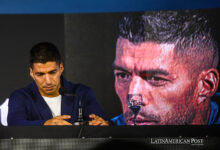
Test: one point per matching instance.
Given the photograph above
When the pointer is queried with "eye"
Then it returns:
(39, 74)
(156, 80)
(53, 72)
(122, 76)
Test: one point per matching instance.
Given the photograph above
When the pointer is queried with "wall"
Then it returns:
(18, 33)
(90, 41)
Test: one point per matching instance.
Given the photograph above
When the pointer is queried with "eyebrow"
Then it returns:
(47, 72)
(116, 67)
(155, 71)
(150, 71)
(39, 73)
(53, 70)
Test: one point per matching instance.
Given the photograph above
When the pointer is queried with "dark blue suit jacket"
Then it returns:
(27, 106)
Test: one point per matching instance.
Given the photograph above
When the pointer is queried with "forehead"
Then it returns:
(146, 54)
(43, 67)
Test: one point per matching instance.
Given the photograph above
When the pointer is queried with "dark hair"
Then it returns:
(188, 30)
(44, 52)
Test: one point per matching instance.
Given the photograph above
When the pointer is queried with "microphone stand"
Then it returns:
(80, 121)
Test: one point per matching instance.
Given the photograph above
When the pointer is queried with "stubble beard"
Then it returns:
(182, 114)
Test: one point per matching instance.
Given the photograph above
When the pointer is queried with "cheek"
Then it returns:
(173, 98)
(157, 102)
(122, 94)
(56, 78)
(177, 91)
(39, 81)
(164, 101)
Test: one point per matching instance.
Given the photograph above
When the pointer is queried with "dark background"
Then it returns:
(18, 33)
(86, 42)
(90, 41)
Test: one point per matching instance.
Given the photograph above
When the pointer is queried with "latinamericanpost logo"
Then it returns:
(180, 140)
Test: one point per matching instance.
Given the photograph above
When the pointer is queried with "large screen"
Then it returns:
(145, 68)
(162, 65)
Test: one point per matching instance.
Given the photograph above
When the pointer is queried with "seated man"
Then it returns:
(51, 99)
(166, 62)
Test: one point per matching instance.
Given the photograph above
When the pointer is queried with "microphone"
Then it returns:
(135, 102)
(80, 120)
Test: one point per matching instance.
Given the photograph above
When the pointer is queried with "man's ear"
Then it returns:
(61, 67)
(208, 84)
(31, 73)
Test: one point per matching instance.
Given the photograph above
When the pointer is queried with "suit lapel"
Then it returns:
(43, 108)
(67, 105)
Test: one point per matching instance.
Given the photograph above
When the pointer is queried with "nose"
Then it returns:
(135, 86)
(48, 79)
(138, 87)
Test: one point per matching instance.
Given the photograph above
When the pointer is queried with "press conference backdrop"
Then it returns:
(57, 22)
(86, 41)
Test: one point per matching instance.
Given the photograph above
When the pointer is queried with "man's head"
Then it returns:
(169, 60)
(46, 68)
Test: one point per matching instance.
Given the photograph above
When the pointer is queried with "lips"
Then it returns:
(48, 88)
(142, 121)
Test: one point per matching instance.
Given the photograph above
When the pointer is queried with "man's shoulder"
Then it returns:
(78, 85)
(75, 87)
(118, 120)
(215, 114)
(27, 90)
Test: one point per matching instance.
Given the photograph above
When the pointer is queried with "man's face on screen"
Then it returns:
(47, 77)
(149, 71)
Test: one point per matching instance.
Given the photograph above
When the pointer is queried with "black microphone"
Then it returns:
(80, 120)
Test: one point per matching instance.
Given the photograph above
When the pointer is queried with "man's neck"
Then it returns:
(202, 114)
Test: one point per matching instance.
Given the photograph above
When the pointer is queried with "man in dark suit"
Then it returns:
(51, 99)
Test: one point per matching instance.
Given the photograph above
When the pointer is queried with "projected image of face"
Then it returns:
(166, 86)
(166, 69)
